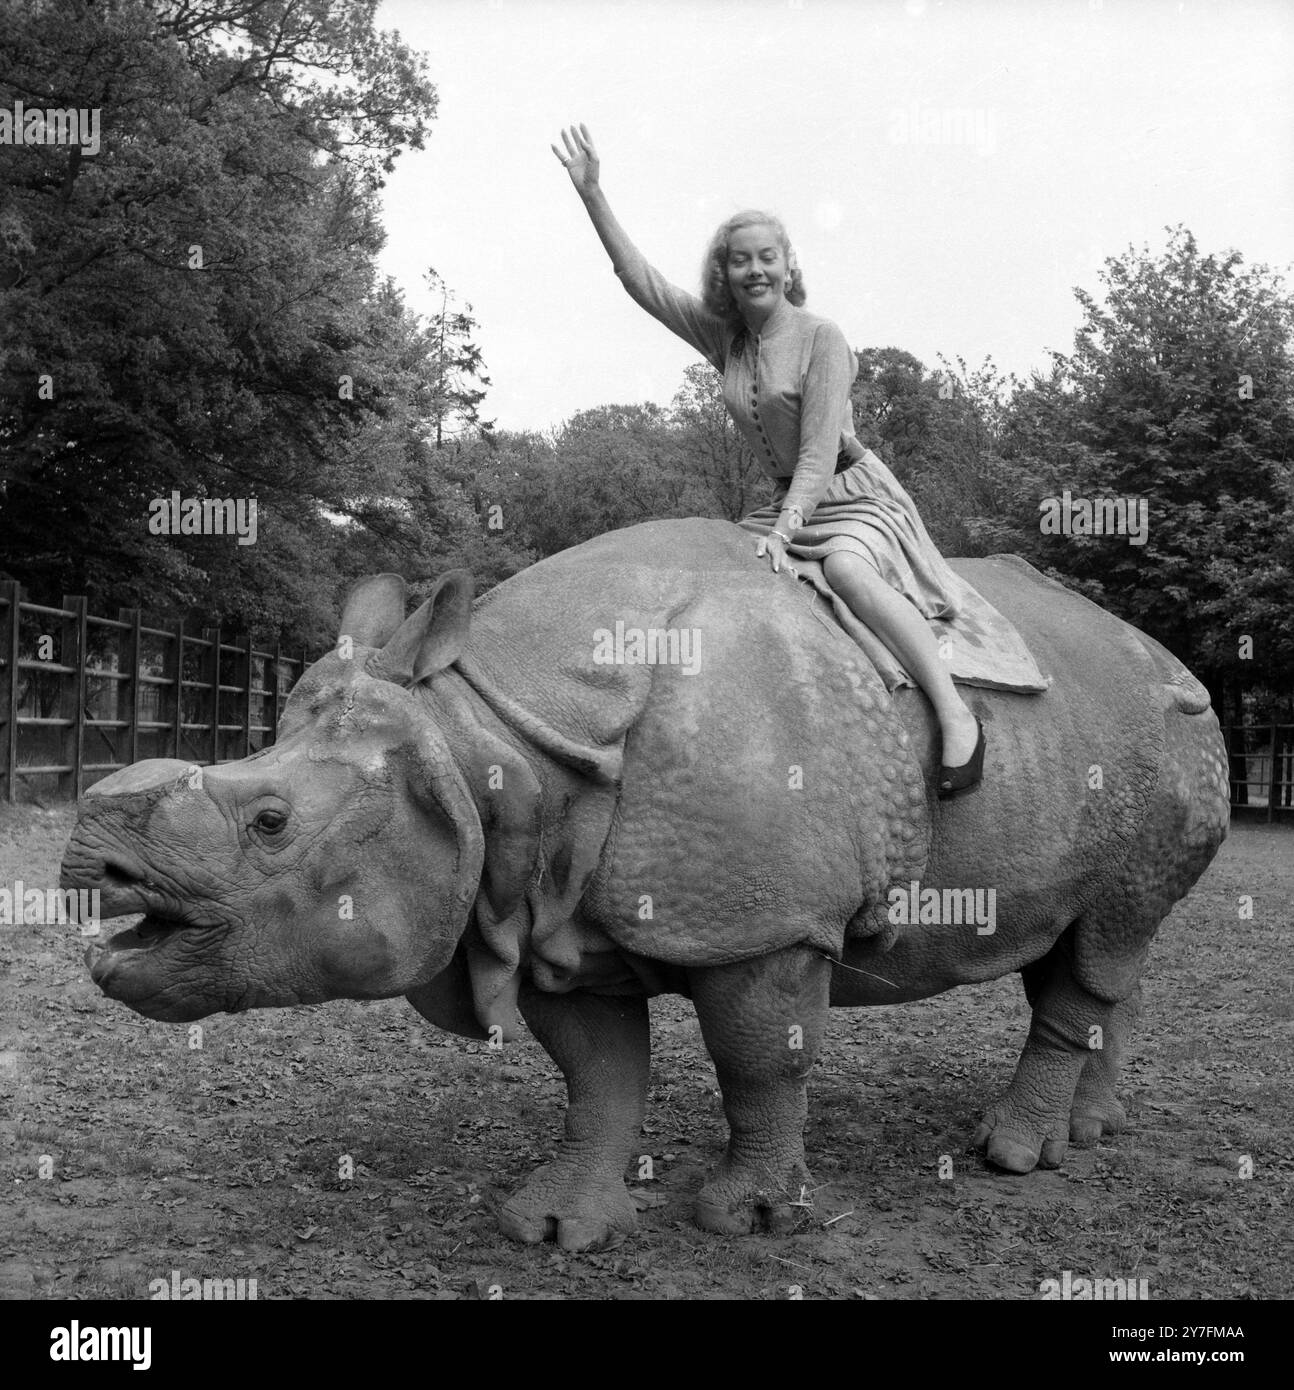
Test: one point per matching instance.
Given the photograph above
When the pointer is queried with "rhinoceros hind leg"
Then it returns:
(602, 1046)
(1032, 1124)
(762, 1021)
(1096, 1110)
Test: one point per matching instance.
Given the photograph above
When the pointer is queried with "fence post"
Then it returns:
(1238, 750)
(276, 703)
(247, 702)
(212, 635)
(72, 652)
(128, 691)
(11, 595)
(1272, 782)
(177, 666)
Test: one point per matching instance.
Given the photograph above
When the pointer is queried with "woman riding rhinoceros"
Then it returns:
(786, 379)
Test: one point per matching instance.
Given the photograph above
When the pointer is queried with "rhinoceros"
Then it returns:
(648, 764)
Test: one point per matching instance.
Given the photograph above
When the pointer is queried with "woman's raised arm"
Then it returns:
(679, 311)
(583, 165)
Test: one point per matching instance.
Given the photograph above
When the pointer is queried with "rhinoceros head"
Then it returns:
(342, 861)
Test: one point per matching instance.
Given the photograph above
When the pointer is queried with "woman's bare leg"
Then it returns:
(898, 624)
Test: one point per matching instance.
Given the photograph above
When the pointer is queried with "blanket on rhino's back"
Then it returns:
(866, 508)
(782, 722)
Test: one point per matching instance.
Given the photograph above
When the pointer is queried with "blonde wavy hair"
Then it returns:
(715, 294)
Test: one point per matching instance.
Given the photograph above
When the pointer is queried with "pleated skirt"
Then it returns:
(867, 511)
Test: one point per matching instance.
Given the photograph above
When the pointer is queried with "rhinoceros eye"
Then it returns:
(270, 822)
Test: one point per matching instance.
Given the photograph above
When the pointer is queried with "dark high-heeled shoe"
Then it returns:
(953, 781)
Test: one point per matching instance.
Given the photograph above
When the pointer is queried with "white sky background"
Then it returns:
(1092, 124)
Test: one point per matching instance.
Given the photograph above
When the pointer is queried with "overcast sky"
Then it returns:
(947, 171)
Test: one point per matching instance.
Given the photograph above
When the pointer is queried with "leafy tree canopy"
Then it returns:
(194, 308)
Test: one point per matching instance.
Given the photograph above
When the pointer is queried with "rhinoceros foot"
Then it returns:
(564, 1203)
(1009, 1143)
(1009, 1140)
(738, 1201)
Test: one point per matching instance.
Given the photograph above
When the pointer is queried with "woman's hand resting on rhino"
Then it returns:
(774, 547)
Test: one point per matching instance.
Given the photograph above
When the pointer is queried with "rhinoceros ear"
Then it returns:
(374, 609)
(431, 638)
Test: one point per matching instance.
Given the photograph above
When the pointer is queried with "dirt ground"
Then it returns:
(132, 1153)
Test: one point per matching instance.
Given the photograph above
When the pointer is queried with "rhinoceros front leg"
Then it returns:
(762, 1021)
(602, 1046)
(1064, 1082)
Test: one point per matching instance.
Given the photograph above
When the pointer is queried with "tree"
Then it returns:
(195, 309)
(714, 453)
(611, 466)
(1035, 454)
(938, 432)
(1180, 392)
(453, 364)
(894, 402)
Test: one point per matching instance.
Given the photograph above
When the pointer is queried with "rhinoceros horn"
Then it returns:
(374, 609)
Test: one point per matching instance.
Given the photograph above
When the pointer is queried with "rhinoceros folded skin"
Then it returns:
(647, 764)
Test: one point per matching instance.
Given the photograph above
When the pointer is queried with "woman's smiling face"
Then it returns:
(756, 270)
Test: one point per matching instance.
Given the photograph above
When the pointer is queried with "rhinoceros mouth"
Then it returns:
(152, 931)
(139, 965)
(149, 932)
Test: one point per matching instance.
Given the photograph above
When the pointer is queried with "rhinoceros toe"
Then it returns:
(1088, 1124)
(1012, 1155)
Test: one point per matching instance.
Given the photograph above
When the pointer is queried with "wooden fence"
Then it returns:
(83, 696)
(1261, 761)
